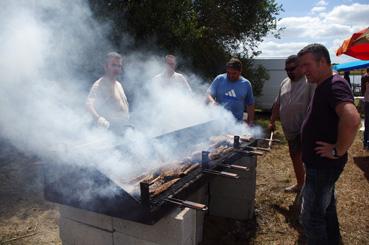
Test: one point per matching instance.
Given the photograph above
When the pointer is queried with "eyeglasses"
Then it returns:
(291, 69)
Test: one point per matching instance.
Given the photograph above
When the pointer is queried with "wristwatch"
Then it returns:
(334, 152)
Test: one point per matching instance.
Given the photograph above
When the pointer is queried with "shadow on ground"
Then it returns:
(218, 230)
(291, 215)
(363, 164)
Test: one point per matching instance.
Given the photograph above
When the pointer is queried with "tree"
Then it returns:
(206, 32)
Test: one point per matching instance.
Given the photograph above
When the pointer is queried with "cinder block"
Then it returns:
(91, 218)
(233, 188)
(123, 239)
(234, 198)
(244, 187)
(175, 228)
(200, 215)
(190, 241)
(72, 232)
(247, 161)
(241, 209)
(200, 196)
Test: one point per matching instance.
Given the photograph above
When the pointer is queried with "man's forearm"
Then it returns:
(250, 114)
(275, 112)
(348, 125)
(91, 109)
(211, 99)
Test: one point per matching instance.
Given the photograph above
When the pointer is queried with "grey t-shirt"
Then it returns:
(294, 98)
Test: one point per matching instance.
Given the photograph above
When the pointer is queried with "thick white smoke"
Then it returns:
(49, 50)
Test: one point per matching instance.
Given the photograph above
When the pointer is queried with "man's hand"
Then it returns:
(102, 122)
(212, 100)
(271, 126)
(325, 150)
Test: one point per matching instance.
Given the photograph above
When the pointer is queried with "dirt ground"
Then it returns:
(25, 218)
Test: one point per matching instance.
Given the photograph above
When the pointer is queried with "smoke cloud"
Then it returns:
(51, 51)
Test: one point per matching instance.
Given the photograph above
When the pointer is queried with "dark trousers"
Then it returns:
(318, 210)
(366, 124)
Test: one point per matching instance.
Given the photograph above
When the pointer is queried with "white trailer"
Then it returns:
(275, 69)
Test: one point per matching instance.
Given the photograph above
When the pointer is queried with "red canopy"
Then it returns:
(356, 46)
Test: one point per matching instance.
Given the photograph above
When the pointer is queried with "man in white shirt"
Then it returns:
(107, 101)
(291, 105)
(170, 78)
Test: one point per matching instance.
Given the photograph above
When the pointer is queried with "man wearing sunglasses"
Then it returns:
(291, 106)
(107, 101)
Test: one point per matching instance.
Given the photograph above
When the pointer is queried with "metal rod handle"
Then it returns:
(187, 204)
(237, 167)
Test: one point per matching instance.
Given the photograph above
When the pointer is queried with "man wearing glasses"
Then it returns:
(107, 101)
(291, 106)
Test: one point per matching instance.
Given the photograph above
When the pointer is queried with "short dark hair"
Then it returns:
(317, 50)
(292, 59)
(234, 63)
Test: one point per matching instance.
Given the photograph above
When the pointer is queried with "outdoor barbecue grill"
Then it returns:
(62, 183)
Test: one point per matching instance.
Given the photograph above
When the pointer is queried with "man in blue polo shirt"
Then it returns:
(233, 92)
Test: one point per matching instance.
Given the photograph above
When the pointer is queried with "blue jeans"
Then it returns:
(318, 211)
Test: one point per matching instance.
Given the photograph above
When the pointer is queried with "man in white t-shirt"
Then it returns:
(107, 101)
(170, 78)
(291, 105)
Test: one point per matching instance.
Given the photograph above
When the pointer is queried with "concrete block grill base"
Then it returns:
(231, 198)
(225, 197)
(80, 227)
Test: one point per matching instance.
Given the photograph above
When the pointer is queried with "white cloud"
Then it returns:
(350, 15)
(274, 49)
(322, 3)
(329, 28)
(319, 7)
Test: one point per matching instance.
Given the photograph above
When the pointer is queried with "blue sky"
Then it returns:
(302, 8)
(324, 21)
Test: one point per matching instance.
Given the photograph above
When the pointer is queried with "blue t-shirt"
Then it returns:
(233, 95)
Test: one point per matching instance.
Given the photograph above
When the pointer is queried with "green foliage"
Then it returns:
(257, 75)
(205, 32)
